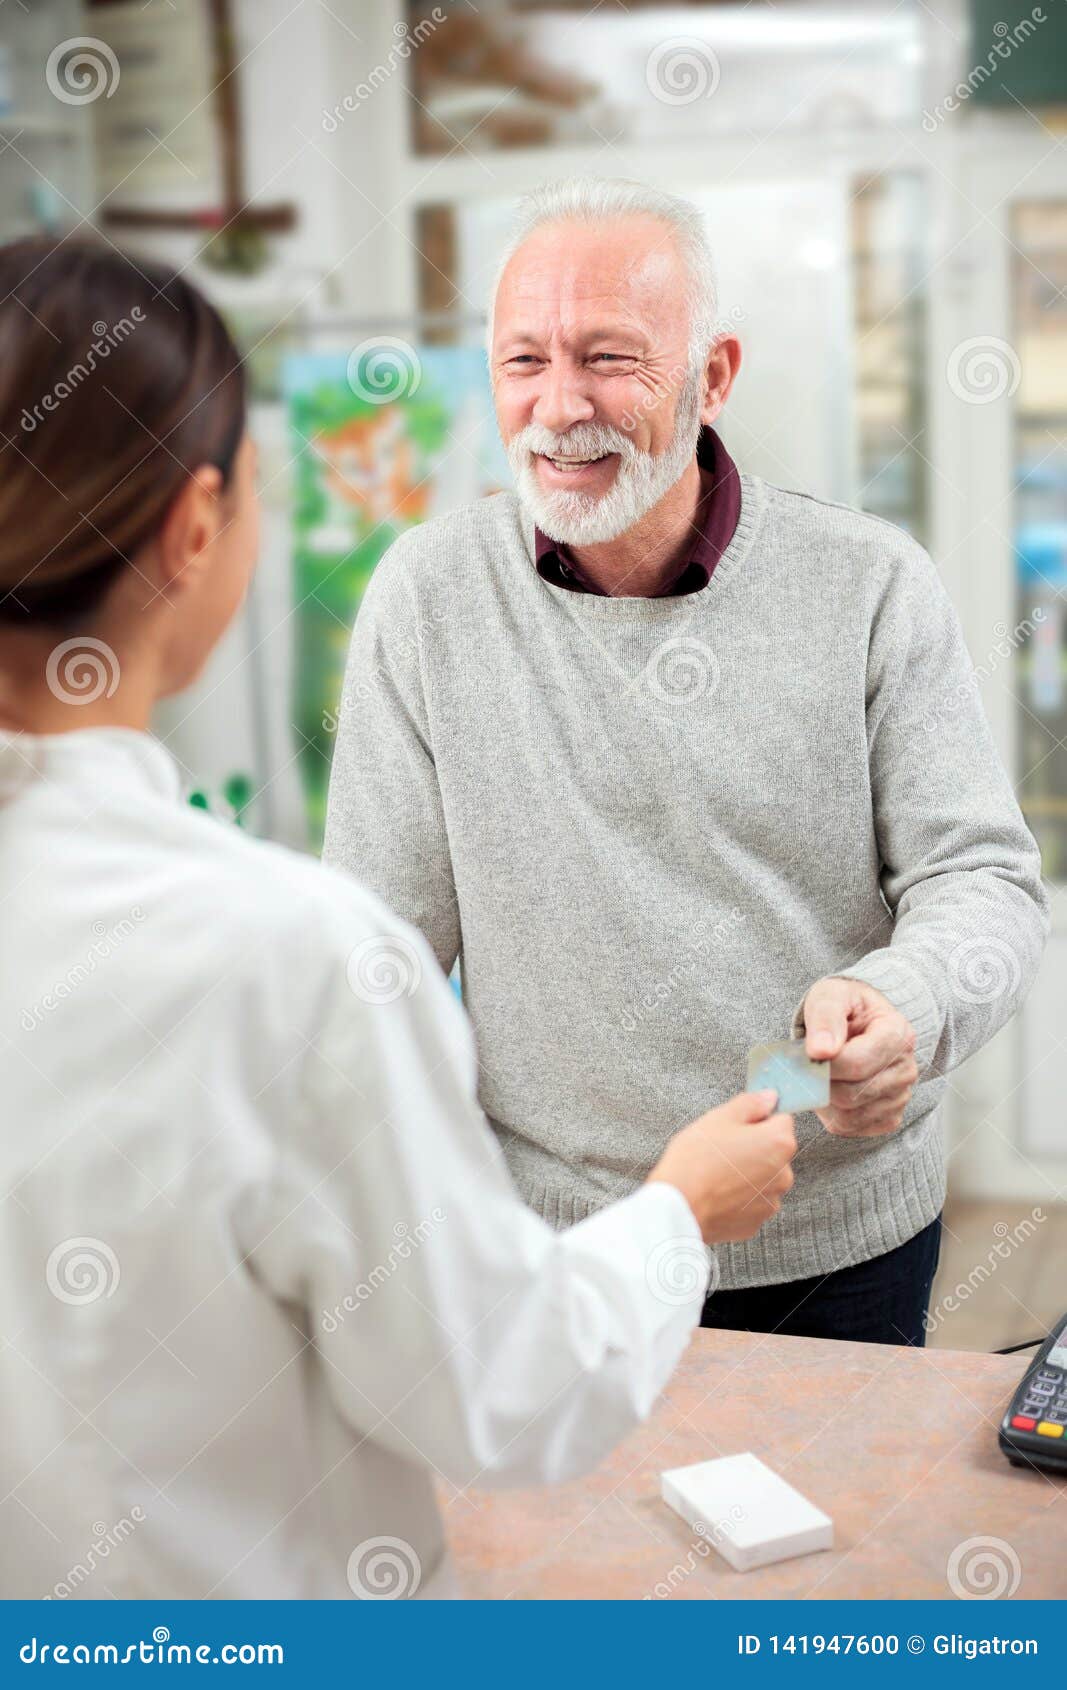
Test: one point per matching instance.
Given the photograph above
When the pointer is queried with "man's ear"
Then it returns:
(189, 527)
(724, 361)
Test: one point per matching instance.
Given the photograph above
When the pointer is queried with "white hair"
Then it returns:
(592, 199)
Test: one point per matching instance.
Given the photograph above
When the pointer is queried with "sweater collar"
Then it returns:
(717, 525)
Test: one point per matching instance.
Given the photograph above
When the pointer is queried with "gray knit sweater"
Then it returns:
(647, 826)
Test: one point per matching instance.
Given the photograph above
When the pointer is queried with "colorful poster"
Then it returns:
(386, 438)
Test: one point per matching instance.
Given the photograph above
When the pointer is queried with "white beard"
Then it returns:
(641, 480)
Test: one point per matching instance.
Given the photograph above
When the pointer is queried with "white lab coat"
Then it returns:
(262, 1270)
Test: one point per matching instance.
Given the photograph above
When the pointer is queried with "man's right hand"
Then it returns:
(732, 1166)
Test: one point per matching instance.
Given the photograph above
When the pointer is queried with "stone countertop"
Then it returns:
(898, 1446)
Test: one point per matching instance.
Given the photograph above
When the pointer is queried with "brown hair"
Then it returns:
(117, 381)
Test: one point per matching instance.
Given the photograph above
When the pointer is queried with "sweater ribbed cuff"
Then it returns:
(906, 990)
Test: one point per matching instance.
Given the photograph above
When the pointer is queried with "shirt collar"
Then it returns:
(717, 521)
(103, 756)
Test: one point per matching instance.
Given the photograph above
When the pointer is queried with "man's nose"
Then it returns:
(561, 400)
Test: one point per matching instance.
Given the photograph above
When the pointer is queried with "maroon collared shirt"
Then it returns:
(717, 522)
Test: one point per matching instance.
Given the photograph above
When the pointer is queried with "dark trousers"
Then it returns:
(882, 1301)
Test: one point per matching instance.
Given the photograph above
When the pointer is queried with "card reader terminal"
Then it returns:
(1033, 1432)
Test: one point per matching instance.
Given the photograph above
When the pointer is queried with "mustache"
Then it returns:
(584, 440)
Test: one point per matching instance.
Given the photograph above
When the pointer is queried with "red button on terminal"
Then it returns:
(1023, 1422)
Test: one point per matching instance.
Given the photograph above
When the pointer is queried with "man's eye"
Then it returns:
(523, 358)
(613, 358)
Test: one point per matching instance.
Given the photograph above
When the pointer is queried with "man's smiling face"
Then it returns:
(591, 373)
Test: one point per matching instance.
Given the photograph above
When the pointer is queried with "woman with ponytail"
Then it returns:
(262, 1271)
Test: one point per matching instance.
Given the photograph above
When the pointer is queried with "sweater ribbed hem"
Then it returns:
(811, 1236)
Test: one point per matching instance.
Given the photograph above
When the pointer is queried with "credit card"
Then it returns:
(785, 1067)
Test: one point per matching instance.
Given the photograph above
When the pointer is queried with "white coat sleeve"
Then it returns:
(454, 1326)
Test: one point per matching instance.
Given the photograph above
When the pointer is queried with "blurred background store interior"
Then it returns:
(885, 187)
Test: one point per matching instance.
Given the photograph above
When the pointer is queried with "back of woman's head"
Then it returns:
(117, 381)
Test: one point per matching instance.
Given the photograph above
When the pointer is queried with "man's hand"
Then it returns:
(870, 1046)
(732, 1166)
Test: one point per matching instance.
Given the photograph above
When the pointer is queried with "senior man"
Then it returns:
(673, 760)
